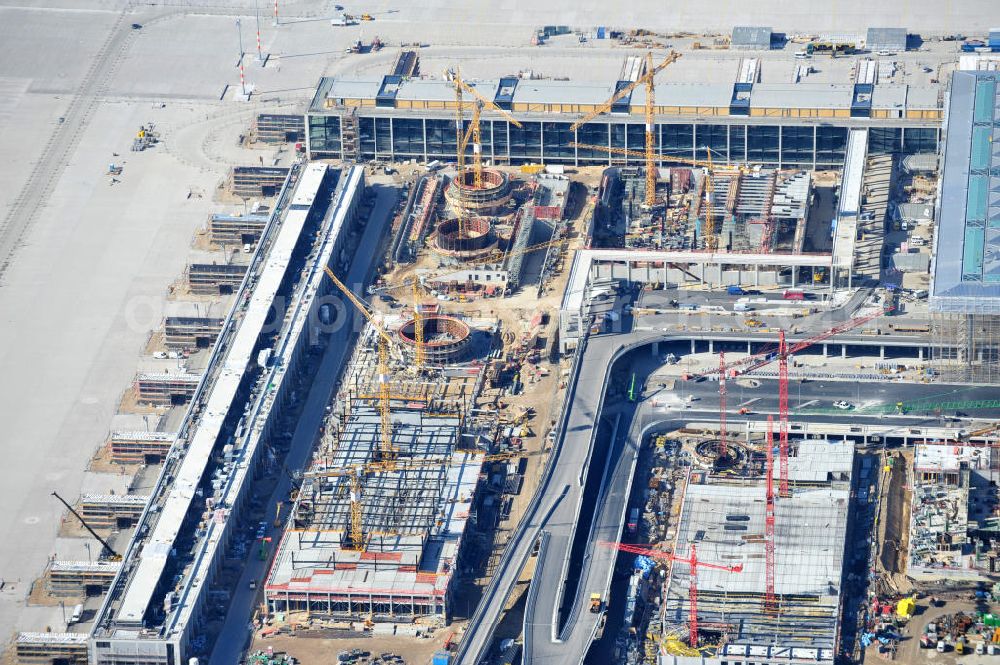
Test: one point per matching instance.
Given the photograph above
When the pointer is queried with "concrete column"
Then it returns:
(881, 352)
(656, 348)
(843, 350)
(825, 349)
(711, 346)
(749, 351)
(423, 124)
(693, 347)
(920, 353)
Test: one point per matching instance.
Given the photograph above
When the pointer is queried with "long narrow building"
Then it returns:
(802, 125)
(158, 603)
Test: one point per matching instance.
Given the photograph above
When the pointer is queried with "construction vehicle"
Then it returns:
(367, 17)
(650, 103)
(830, 48)
(107, 552)
(595, 603)
(146, 137)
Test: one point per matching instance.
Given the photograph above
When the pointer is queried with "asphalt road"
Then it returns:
(815, 398)
(234, 635)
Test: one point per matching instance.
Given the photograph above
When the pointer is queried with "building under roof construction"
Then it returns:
(725, 519)
(413, 521)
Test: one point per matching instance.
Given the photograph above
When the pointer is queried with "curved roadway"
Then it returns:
(554, 512)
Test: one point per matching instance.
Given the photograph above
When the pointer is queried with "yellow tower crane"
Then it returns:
(385, 431)
(462, 138)
(709, 232)
(474, 133)
(356, 473)
(418, 329)
(650, 152)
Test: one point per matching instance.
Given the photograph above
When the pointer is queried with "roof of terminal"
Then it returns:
(562, 93)
(967, 256)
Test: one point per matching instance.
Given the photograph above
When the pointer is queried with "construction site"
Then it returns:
(577, 344)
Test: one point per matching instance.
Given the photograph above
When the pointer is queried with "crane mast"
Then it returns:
(783, 411)
(650, 139)
(693, 563)
(770, 604)
(722, 406)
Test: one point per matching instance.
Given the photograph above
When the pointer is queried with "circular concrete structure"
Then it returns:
(494, 193)
(737, 456)
(472, 238)
(446, 339)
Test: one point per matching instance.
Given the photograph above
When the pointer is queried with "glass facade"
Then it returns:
(885, 140)
(324, 134)
(789, 145)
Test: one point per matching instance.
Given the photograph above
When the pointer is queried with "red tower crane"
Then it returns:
(693, 563)
(722, 405)
(770, 604)
(783, 411)
(770, 354)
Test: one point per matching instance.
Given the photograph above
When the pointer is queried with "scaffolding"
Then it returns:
(112, 511)
(140, 447)
(78, 578)
(413, 521)
(191, 332)
(966, 346)
(48, 648)
(215, 278)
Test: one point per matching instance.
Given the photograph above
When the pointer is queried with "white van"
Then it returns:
(77, 614)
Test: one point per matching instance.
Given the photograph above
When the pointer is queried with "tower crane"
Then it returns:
(766, 357)
(418, 329)
(473, 132)
(770, 601)
(722, 405)
(770, 354)
(385, 429)
(462, 138)
(356, 473)
(647, 80)
(709, 232)
(693, 562)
